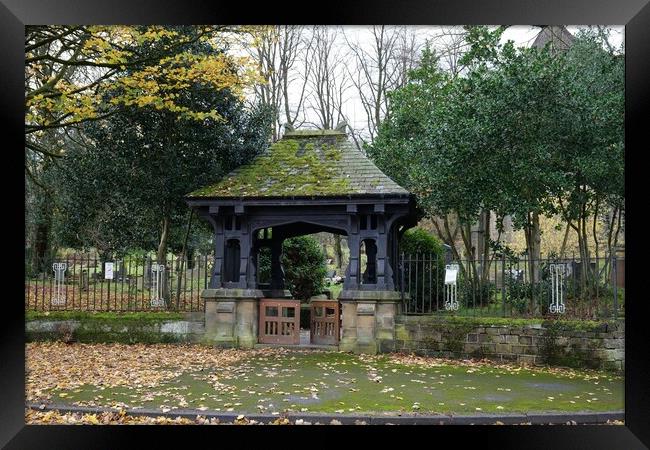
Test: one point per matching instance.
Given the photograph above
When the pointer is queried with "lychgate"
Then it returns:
(307, 182)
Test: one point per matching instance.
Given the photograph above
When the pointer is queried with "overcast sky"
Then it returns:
(521, 35)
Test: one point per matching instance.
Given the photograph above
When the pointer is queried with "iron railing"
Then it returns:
(78, 283)
(504, 287)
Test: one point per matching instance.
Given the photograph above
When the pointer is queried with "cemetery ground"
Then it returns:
(276, 382)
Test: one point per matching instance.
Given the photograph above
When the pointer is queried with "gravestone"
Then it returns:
(575, 269)
(147, 273)
(84, 280)
(448, 254)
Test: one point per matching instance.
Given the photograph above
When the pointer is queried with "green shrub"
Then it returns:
(304, 266)
(477, 294)
(426, 255)
(418, 240)
(264, 264)
(518, 294)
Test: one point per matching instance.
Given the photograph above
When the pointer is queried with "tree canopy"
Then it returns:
(522, 131)
(79, 75)
(123, 186)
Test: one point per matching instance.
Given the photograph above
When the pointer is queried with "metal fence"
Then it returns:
(427, 283)
(78, 283)
(513, 288)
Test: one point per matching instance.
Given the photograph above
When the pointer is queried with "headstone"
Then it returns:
(147, 273)
(576, 268)
(84, 280)
(448, 254)
(515, 274)
(620, 271)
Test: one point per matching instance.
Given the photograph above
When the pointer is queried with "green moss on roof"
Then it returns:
(304, 163)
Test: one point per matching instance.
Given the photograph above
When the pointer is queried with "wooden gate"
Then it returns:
(279, 321)
(325, 322)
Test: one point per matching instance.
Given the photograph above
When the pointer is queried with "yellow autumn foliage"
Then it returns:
(61, 98)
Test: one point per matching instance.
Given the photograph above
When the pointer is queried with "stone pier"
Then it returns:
(368, 320)
(231, 317)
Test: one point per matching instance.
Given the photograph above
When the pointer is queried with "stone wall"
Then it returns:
(577, 344)
(559, 343)
(191, 329)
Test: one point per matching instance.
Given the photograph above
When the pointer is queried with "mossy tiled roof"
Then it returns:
(305, 163)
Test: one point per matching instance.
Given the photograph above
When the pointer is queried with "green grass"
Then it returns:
(104, 316)
(580, 325)
(336, 382)
(335, 289)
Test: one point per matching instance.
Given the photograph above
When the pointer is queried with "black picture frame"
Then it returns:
(634, 14)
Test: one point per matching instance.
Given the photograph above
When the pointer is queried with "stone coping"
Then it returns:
(229, 294)
(348, 295)
(534, 418)
(276, 293)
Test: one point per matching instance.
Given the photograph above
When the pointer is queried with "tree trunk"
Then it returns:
(42, 253)
(564, 240)
(105, 255)
(190, 257)
(608, 253)
(482, 251)
(595, 272)
(618, 229)
(533, 247)
(41, 245)
(181, 270)
(338, 252)
(472, 274)
(161, 256)
(485, 245)
(451, 238)
(536, 248)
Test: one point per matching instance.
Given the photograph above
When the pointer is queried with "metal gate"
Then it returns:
(279, 321)
(325, 322)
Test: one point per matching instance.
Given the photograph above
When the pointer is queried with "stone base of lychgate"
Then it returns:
(231, 317)
(368, 320)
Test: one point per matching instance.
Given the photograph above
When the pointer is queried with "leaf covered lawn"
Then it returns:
(276, 381)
